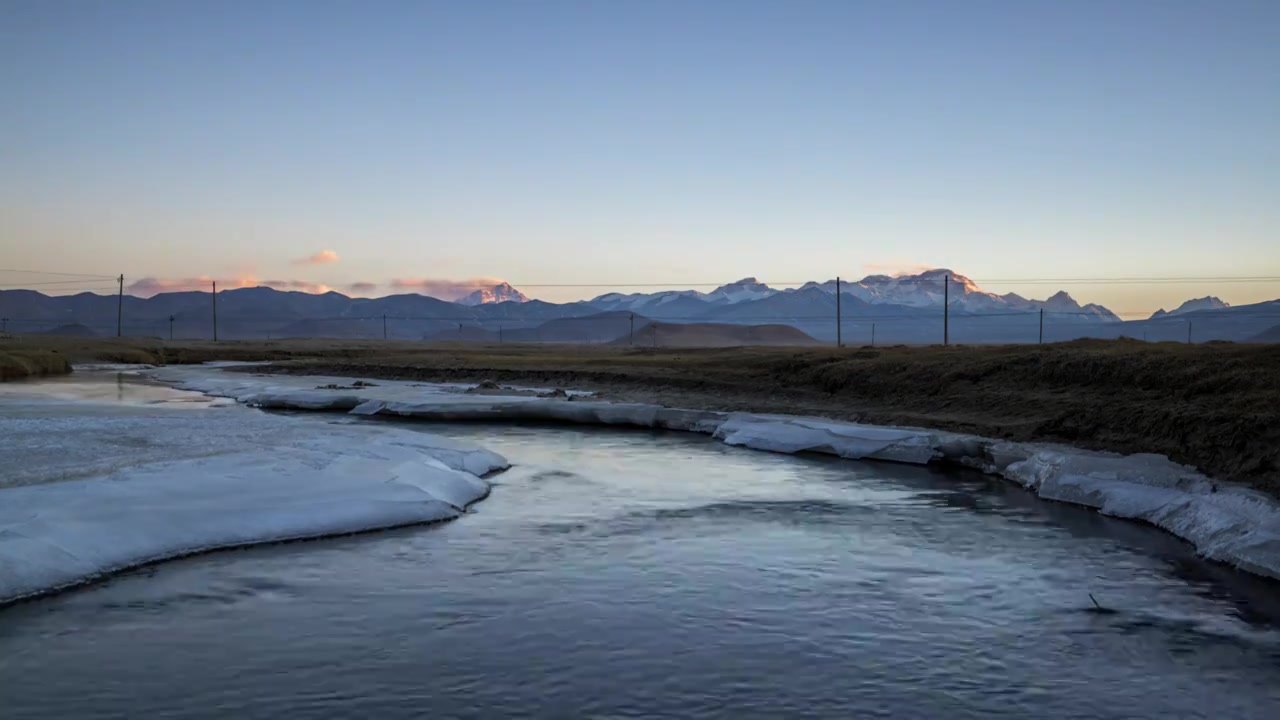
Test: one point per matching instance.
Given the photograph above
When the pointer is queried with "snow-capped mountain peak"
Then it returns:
(1061, 301)
(742, 290)
(642, 301)
(502, 292)
(1209, 302)
(925, 290)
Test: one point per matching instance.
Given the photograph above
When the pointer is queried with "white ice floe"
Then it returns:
(279, 479)
(1225, 522)
(784, 434)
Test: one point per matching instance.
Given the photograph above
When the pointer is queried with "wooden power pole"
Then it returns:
(946, 310)
(839, 324)
(215, 310)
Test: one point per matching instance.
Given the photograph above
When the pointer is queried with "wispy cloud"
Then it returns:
(324, 257)
(444, 289)
(299, 285)
(149, 286)
(896, 268)
(362, 288)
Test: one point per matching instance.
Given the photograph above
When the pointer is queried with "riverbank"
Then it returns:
(19, 364)
(1225, 522)
(1213, 406)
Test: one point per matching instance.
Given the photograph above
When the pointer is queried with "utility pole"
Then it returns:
(384, 326)
(499, 333)
(1188, 332)
(1041, 326)
(839, 341)
(170, 327)
(631, 335)
(215, 311)
(946, 310)
(120, 308)
(4, 324)
(873, 334)
(459, 332)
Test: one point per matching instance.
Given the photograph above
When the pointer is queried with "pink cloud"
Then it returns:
(438, 288)
(444, 289)
(324, 257)
(299, 285)
(149, 286)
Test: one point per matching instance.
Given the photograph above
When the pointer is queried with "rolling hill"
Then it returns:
(714, 335)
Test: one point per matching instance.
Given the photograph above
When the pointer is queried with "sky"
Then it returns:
(374, 147)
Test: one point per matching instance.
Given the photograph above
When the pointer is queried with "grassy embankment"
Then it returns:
(1215, 406)
(17, 364)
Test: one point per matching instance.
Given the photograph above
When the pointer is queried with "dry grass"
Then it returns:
(707, 335)
(18, 364)
(1215, 406)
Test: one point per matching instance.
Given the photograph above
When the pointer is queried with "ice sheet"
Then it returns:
(242, 478)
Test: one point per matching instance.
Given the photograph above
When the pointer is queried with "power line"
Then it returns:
(52, 272)
(64, 291)
(45, 283)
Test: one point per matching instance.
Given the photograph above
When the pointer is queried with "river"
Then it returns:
(635, 574)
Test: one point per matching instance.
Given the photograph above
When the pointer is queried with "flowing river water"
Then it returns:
(635, 574)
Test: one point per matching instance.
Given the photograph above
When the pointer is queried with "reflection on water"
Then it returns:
(122, 388)
(630, 574)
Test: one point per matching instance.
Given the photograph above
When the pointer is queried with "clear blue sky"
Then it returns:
(645, 141)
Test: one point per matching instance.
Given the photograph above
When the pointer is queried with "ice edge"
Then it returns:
(60, 535)
(1224, 522)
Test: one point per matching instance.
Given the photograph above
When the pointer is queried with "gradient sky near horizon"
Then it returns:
(644, 142)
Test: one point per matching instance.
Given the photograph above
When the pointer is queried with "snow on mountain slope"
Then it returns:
(644, 302)
(1208, 302)
(502, 292)
(743, 290)
(925, 290)
(920, 291)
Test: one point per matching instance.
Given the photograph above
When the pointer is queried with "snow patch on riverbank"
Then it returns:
(299, 479)
(1225, 522)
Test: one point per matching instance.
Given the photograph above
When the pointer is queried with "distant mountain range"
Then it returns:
(905, 309)
(924, 290)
